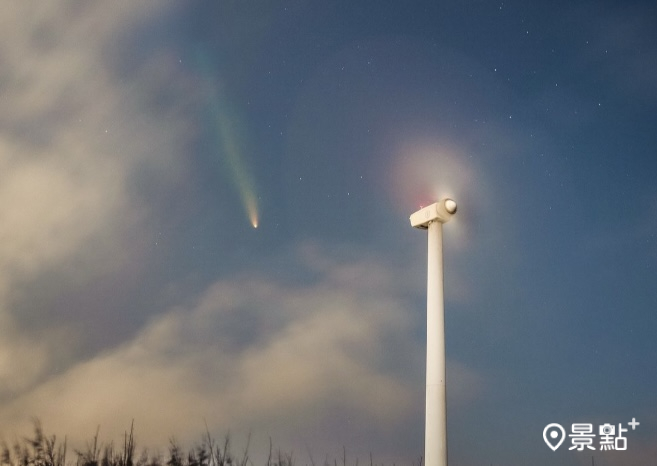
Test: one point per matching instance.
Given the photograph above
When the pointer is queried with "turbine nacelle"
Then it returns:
(440, 211)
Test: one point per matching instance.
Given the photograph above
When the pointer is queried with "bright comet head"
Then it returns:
(251, 206)
(253, 217)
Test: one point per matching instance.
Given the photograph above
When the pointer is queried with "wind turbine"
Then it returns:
(431, 218)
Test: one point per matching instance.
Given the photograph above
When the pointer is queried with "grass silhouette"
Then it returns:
(42, 450)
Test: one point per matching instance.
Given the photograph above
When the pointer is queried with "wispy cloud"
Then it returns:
(257, 354)
(77, 135)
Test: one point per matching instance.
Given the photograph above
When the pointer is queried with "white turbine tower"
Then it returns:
(431, 218)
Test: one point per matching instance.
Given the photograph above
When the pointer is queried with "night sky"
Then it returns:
(141, 143)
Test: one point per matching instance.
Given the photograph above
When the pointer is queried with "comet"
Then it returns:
(239, 173)
(226, 132)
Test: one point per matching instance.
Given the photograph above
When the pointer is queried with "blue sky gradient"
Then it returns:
(137, 138)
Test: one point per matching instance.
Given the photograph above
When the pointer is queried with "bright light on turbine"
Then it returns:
(450, 206)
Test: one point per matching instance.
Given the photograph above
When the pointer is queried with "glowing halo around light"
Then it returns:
(425, 172)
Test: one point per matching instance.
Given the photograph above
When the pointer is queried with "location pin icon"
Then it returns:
(554, 435)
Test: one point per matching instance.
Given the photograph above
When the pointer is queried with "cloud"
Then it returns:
(80, 146)
(312, 365)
